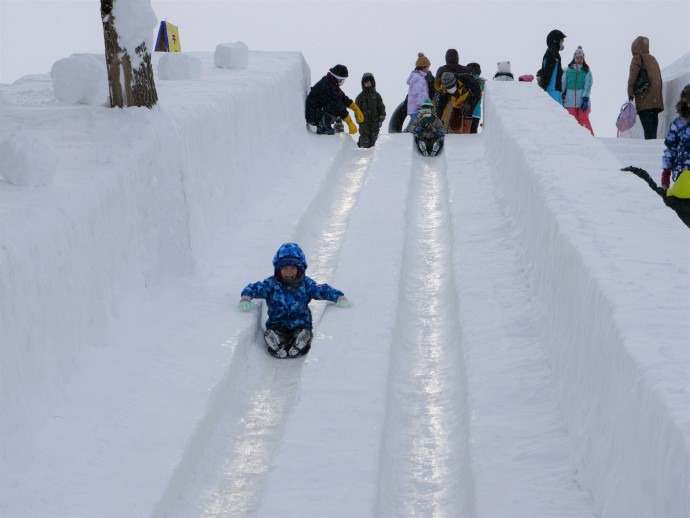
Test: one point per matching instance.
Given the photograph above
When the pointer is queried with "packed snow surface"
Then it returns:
(517, 344)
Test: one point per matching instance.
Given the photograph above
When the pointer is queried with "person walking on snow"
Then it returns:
(551, 67)
(418, 88)
(650, 102)
(577, 85)
(371, 104)
(326, 102)
(287, 294)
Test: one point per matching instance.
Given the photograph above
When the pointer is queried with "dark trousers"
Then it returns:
(367, 140)
(650, 122)
(287, 339)
(475, 125)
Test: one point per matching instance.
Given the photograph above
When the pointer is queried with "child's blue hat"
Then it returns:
(289, 254)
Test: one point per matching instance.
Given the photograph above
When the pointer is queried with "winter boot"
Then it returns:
(302, 343)
(276, 343)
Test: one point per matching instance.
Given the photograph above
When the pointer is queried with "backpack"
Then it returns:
(642, 83)
(626, 118)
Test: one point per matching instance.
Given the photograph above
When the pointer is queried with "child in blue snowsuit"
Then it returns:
(287, 294)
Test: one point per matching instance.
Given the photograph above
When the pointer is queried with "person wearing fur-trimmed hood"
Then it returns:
(326, 102)
(577, 85)
(650, 102)
(551, 67)
(287, 294)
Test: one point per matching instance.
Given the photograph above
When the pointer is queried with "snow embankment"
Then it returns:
(139, 198)
(615, 301)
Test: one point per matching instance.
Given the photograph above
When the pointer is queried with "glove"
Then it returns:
(630, 98)
(439, 133)
(351, 125)
(343, 303)
(381, 122)
(666, 178)
(245, 304)
(418, 129)
(585, 104)
(358, 113)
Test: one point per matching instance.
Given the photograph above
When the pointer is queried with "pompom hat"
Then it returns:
(422, 61)
(339, 71)
(579, 52)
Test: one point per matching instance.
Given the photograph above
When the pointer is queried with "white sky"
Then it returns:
(519, 322)
(379, 37)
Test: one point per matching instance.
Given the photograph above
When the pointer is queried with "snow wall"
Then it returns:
(612, 370)
(176, 188)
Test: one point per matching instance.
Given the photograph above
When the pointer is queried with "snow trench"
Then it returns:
(425, 462)
(225, 463)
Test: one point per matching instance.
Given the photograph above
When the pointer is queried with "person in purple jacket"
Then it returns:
(418, 87)
(287, 294)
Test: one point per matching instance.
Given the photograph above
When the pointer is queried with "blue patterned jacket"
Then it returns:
(288, 305)
(288, 302)
(677, 153)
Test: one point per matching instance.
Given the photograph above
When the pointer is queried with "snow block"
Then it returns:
(231, 55)
(28, 158)
(80, 79)
(175, 65)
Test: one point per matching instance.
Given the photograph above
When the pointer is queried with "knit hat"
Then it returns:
(579, 52)
(339, 71)
(448, 80)
(422, 61)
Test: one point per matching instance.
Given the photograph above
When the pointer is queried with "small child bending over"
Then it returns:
(287, 294)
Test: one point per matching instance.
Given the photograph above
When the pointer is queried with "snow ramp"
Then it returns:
(494, 363)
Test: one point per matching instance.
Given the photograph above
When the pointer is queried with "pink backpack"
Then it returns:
(627, 117)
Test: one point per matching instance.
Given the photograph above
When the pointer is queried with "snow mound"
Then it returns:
(28, 158)
(175, 65)
(231, 55)
(80, 79)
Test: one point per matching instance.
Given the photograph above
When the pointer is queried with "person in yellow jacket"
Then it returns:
(465, 93)
(326, 102)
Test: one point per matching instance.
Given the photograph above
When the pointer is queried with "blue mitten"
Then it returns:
(585, 104)
(439, 133)
(343, 303)
(418, 129)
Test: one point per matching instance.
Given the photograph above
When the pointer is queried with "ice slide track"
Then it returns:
(425, 467)
(228, 479)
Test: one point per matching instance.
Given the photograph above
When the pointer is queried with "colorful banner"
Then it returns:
(168, 38)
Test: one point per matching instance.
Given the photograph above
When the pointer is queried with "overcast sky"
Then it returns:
(382, 37)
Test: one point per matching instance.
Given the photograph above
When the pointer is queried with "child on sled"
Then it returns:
(287, 294)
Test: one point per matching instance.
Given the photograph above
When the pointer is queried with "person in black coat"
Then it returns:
(552, 67)
(326, 102)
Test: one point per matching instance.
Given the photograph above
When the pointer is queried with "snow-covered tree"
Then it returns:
(127, 28)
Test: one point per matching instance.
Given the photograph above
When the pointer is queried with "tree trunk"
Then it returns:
(128, 87)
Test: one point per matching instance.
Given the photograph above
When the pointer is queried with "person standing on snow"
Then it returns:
(326, 102)
(452, 65)
(476, 71)
(676, 159)
(371, 104)
(287, 294)
(650, 102)
(465, 93)
(551, 67)
(577, 84)
(418, 88)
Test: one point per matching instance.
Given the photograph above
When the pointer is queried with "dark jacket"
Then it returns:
(326, 97)
(551, 63)
(371, 104)
(653, 97)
